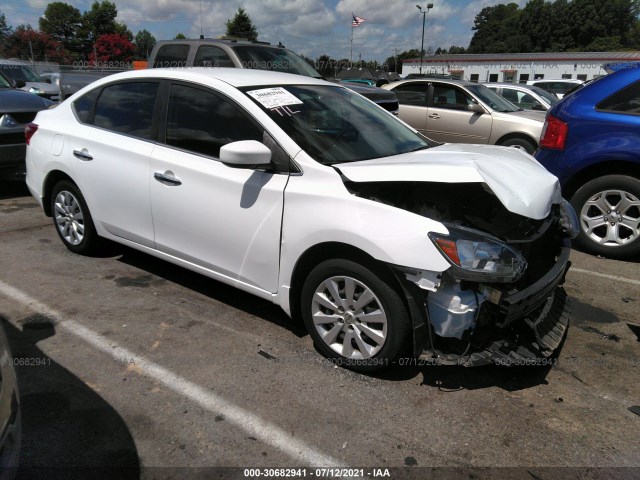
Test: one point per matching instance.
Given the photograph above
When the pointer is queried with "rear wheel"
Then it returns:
(72, 219)
(609, 211)
(353, 316)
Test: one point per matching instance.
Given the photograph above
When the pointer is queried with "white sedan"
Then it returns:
(307, 194)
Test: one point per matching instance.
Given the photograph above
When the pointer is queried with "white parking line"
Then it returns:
(606, 275)
(241, 418)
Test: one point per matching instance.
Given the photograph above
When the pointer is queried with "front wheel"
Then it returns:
(72, 219)
(609, 211)
(353, 316)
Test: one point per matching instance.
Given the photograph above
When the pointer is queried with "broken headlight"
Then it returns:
(569, 219)
(478, 257)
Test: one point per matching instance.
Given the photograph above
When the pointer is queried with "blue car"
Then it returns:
(591, 142)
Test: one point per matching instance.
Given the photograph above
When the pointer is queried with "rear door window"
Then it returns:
(127, 108)
(210, 56)
(171, 56)
(625, 101)
(412, 94)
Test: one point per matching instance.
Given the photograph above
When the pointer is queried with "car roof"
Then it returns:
(462, 83)
(211, 41)
(509, 85)
(237, 77)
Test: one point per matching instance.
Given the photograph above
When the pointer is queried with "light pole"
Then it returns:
(424, 14)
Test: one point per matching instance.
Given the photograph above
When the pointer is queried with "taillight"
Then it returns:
(29, 130)
(554, 133)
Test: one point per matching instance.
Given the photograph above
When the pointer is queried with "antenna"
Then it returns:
(201, 35)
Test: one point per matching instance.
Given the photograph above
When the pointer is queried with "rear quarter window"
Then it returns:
(625, 101)
(83, 106)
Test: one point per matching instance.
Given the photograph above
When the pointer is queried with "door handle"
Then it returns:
(434, 116)
(83, 154)
(167, 178)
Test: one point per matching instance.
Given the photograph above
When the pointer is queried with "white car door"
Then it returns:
(224, 219)
(110, 152)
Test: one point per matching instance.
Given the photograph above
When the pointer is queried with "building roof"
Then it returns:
(529, 57)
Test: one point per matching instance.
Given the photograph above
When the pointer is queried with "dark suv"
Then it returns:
(210, 52)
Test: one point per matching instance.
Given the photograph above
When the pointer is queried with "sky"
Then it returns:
(309, 27)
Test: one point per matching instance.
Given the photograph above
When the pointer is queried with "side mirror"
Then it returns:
(18, 83)
(538, 107)
(245, 154)
(475, 108)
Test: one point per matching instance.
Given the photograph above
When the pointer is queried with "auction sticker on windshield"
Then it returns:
(274, 97)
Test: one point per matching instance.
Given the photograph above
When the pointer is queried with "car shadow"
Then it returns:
(68, 430)
(211, 288)
(450, 378)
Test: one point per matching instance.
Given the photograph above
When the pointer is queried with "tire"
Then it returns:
(72, 219)
(528, 145)
(608, 209)
(337, 326)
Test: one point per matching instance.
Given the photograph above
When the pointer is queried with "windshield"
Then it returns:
(492, 99)
(20, 72)
(549, 97)
(335, 125)
(276, 59)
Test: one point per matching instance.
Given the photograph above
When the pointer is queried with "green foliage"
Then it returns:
(180, 36)
(61, 21)
(144, 43)
(100, 20)
(561, 25)
(240, 26)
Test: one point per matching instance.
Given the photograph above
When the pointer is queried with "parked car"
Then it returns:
(210, 52)
(17, 108)
(29, 81)
(455, 111)
(527, 97)
(558, 87)
(591, 142)
(306, 194)
(10, 413)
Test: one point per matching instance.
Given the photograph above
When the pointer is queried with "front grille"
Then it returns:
(23, 117)
(11, 138)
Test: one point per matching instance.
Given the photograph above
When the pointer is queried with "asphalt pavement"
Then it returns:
(130, 367)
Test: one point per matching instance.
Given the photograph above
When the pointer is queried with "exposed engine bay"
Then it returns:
(501, 301)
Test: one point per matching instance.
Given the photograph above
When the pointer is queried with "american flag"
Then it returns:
(357, 21)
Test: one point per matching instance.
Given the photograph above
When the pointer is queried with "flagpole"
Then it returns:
(351, 54)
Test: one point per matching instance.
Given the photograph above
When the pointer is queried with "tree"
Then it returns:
(453, 50)
(180, 36)
(100, 20)
(29, 44)
(5, 31)
(241, 26)
(112, 47)
(144, 43)
(61, 21)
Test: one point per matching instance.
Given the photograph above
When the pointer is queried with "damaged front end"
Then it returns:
(501, 300)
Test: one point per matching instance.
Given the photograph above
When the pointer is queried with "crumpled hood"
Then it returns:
(517, 179)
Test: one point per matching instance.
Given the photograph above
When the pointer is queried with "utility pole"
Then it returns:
(424, 14)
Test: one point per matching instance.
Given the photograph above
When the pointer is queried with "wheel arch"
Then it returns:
(50, 181)
(600, 169)
(331, 250)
